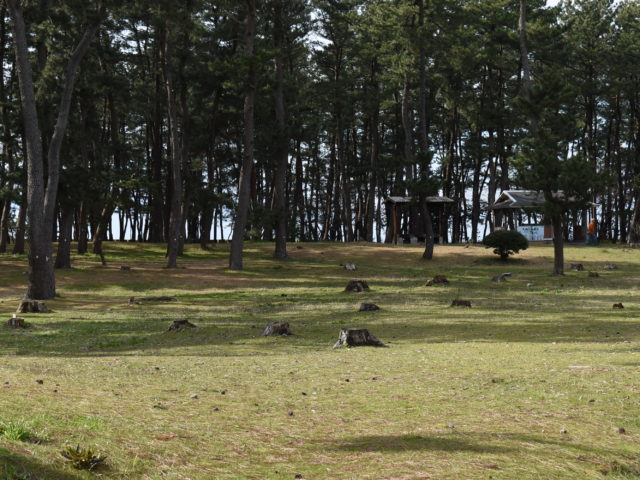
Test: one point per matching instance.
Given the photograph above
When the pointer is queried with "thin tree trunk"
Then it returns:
(524, 52)
(18, 246)
(298, 198)
(175, 218)
(244, 187)
(370, 194)
(634, 227)
(7, 149)
(423, 142)
(103, 225)
(558, 246)
(63, 256)
(4, 225)
(282, 155)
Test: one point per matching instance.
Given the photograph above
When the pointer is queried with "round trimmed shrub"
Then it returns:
(506, 242)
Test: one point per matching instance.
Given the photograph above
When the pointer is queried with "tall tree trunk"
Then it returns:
(157, 227)
(329, 189)
(282, 154)
(175, 218)
(524, 52)
(41, 201)
(7, 150)
(370, 198)
(423, 142)
(244, 187)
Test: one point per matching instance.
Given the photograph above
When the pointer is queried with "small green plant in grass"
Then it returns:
(82, 458)
(18, 431)
(506, 242)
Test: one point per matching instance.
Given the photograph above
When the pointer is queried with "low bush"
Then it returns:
(506, 242)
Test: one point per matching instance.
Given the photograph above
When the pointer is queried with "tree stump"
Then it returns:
(438, 279)
(501, 277)
(125, 268)
(357, 286)
(610, 266)
(594, 274)
(273, 329)
(577, 266)
(32, 306)
(350, 266)
(180, 325)
(368, 307)
(16, 322)
(461, 303)
(618, 305)
(357, 337)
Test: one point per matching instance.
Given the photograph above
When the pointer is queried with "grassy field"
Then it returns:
(533, 382)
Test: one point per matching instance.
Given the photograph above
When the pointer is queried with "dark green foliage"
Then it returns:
(381, 99)
(506, 242)
(82, 458)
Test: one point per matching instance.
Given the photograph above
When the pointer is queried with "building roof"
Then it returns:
(433, 199)
(517, 199)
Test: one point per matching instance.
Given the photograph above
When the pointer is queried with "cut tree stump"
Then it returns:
(180, 325)
(274, 329)
(438, 279)
(32, 306)
(357, 337)
(461, 303)
(501, 277)
(357, 286)
(610, 266)
(594, 274)
(350, 266)
(368, 307)
(577, 266)
(618, 305)
(16, 322)
(125, 268)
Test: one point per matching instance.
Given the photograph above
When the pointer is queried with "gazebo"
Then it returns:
(531, 201)
(416, 224)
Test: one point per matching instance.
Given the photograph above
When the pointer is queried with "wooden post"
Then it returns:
(395, 224)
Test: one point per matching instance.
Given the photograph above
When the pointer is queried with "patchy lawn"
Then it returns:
(538, 380)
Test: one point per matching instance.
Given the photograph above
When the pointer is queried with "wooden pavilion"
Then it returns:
(414, 228)
(530, 202)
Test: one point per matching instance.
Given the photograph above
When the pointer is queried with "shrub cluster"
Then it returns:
(506, 242)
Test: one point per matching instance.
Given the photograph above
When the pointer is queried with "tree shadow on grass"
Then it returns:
(13, 466)
(474, 442)
(400, 443)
